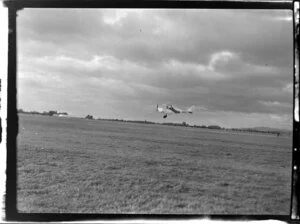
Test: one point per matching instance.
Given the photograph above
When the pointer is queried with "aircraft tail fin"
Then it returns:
(191, 109)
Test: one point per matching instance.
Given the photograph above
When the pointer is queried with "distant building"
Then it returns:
(45, 113)
(61, 114)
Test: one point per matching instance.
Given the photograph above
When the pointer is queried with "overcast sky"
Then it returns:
(235, 66)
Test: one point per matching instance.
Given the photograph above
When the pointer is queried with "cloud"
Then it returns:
(169, 33)
(220, 58)
(114, 17)
(284, 18)
(237, 61)
(288, 88)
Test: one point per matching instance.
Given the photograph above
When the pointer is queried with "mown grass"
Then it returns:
(174, 171)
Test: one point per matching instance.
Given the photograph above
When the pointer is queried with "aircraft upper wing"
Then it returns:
(176, 111)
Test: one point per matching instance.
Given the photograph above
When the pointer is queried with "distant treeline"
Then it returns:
(214, 127)
(45, 113)
(257, 131)
(184, 124)
(165, 123)
(129, 121)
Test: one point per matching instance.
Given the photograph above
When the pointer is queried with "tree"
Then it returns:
(52, 112)
(89, 117)
(214, 127)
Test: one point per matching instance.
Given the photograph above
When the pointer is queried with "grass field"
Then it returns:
(69, 165)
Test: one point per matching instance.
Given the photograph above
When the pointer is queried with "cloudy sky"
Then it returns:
(235, 66)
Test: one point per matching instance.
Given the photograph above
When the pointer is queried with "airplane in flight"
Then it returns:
(168, 109)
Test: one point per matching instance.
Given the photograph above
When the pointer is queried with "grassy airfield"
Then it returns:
(69, 165)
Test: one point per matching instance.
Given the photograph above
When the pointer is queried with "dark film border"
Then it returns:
(295, 198)
(12, 118)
